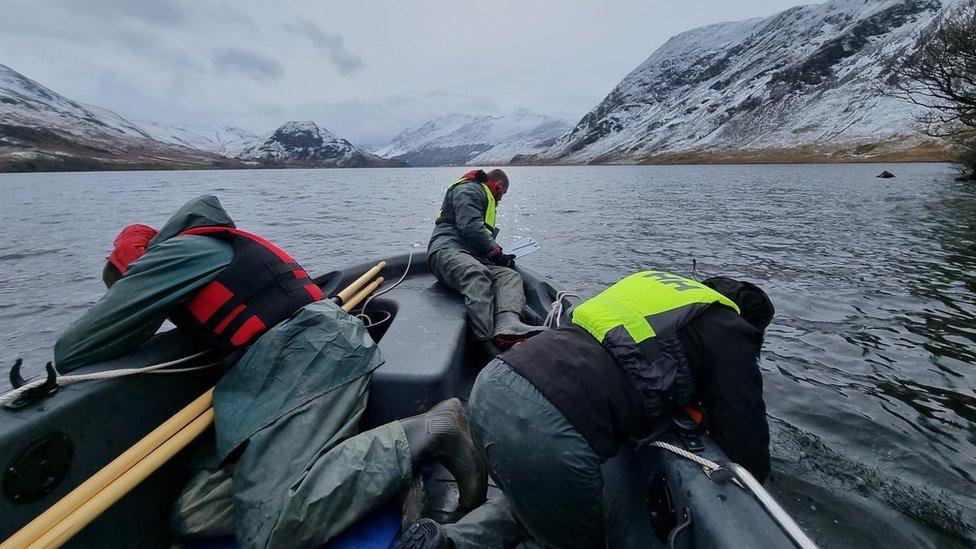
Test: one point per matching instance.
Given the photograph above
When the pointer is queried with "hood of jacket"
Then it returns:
(754, 304)
(203, 211)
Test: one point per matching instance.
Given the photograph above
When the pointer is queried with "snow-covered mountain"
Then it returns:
(38, 124)
(308, 144)
(458, 139)
(803, 81)
(41, 129)
(225, 140)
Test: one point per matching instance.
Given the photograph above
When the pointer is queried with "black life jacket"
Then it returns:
(583, 381)
(260, 287)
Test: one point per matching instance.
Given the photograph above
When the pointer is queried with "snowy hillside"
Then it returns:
(225, 141)
(41, 129)
(457, 140)
(805, 78)
(38, 122)
(308, 144)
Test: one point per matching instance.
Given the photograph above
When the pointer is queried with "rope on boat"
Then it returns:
(707, 465)
(368, 322)
(63, 380)
(743, 479)
(556, 309)
(160, 368)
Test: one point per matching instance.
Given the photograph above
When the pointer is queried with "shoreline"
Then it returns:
(737, 158)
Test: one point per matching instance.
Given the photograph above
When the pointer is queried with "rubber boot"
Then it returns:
(412, 503)
(509, 330)
(423, 534)
(442, 435)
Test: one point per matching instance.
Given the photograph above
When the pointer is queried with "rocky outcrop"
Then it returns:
(306, 144)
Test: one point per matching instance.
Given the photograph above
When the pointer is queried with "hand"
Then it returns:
(502, 260)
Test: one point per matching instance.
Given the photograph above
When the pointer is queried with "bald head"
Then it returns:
(498, 182)
(498, 175)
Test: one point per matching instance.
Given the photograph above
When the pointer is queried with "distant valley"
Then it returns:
(460, 140)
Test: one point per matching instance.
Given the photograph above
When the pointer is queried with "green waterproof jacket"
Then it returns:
(281, 401)
(134, 308)
(466, 229)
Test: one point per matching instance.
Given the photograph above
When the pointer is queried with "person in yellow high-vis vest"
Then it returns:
(463, 254)
(547, 413)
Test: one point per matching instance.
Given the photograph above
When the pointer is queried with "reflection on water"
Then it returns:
(868, 367)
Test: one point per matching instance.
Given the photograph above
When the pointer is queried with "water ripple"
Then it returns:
(868, 367)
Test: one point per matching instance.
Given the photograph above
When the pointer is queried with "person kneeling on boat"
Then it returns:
(463, 254)
(550, 411)
(294, 472)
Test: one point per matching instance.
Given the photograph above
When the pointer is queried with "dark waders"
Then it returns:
(549, 473)
(487, 289)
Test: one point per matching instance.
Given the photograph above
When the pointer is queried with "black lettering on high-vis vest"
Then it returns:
(680, 284)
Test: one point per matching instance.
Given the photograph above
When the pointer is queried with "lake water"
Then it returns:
(868, 366)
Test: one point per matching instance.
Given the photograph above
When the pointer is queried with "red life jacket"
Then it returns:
(260, 287)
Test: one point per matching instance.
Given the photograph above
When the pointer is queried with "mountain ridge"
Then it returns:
(40, 125)
(42, 130)
(804, 79)
(459, 139)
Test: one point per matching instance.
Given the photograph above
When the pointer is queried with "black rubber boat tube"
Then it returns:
(774, 509)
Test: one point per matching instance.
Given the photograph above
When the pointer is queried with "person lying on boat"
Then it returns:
(548, 412)
(462, 253)
(294, 472)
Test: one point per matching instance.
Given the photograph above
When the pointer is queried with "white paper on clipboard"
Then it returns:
(522, 247)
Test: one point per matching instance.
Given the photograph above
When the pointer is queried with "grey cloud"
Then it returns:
(88, 27)
(229, 15)
(345, 61)
(250, 63)
(171, 14)
(161, 13)
(158, 51)
(26, 19)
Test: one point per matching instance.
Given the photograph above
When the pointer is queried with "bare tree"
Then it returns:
(940, 76)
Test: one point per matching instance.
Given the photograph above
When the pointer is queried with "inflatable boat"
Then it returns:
(58, 438)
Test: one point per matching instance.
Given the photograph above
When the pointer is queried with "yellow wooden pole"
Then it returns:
(363, 294)
(81, 517)
(84, 492)
(345, 294)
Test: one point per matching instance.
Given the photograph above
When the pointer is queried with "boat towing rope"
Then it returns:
(744, 479)
(707, 465)
(62, 380)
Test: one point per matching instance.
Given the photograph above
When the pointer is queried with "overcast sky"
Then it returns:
(364, 70)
